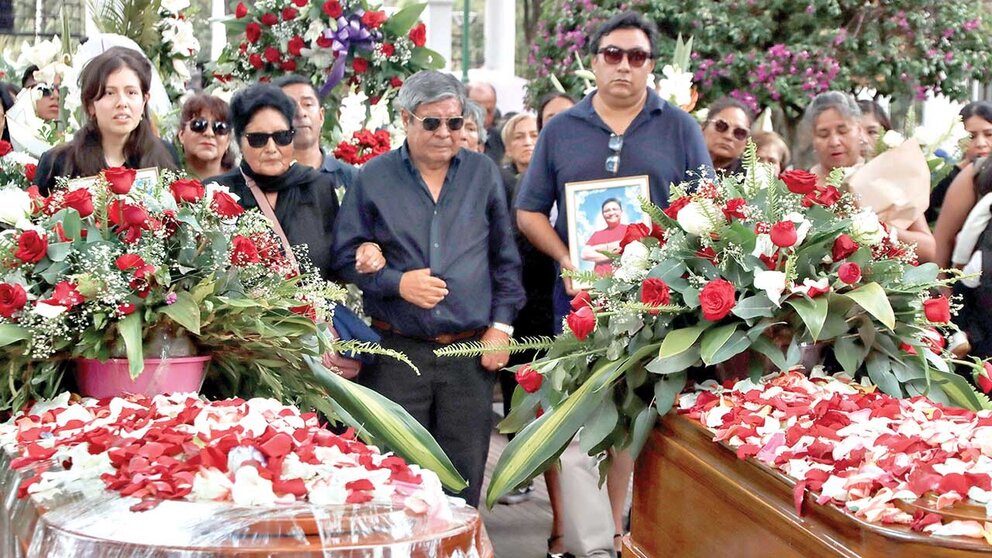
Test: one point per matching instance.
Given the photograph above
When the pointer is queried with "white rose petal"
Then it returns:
(15, 206)
(803, 226)
(772, 282)
(764, 246)
(866, 230)
(250, 489)
(211, 484)
(49, 311)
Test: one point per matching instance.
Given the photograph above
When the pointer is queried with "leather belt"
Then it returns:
(442, 339)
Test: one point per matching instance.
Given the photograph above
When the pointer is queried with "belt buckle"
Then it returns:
(444, 339)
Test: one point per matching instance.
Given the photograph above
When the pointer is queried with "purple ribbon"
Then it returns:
(350, 32)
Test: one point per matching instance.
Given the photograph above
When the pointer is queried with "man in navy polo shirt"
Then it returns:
(621, 129)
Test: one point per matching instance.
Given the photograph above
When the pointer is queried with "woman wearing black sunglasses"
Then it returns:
(302, 199)
(204, 135)
(727, 127)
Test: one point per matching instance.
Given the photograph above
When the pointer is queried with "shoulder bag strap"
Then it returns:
(270, 214)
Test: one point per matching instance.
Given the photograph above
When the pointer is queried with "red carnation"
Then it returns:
(849, 273)
(80, 200)
(333, 9)
(187, 190)
(675, 206)
(655, 292)
(120, 179)
(270, 19)
(243, 251)
(937, 310)
(843, 247)
(717, 299)
(12, 299)
(373, 19)
(783, 234)
(289, 14)
(418, 34)
(127, 262)
(582, 322)
(735, 208)
(296, 45)
(241, 10)
(29, 171)
(529, 379)
(360, 65)
(272, 55)
(256, 61)
(253, 32)
(799, 181)
(388, 49)
(31, 247)
(225, 206)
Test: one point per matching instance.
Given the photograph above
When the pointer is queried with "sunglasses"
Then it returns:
(45, 89)
(200, 125)
(260, 139)
(614, 55)
(721, 126)
(432, 123)
(613, 161)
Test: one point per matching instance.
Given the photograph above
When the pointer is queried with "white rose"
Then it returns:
(174, 6)
(808, 284)
(699, 217)
(15, 206)
(927, 137)
(866, 230)
(772, 282)
(633, 262)
(250, 489)
(892, 139)
(675, 87)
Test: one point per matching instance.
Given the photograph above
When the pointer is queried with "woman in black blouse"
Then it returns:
(116, 131)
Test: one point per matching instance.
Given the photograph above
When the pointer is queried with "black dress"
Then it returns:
(307, 217)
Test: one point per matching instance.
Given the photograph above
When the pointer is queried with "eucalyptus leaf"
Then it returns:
(813, 313)
(641, 428)
(880, 373)
(10, 333)
(757, 306)
(848, 354)
(765, 346)
(722, 343)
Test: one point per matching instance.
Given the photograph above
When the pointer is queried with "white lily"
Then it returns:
(772, 282)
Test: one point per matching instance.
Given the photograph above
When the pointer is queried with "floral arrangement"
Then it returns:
(16, 169)
(931, 139)
(363, 146)
(257, 452)
(744, 274)
(178, 47)
(856, 448)
(351, 43)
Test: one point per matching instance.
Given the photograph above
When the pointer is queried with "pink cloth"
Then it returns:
(606, 236)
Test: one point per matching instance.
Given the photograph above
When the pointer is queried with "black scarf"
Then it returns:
(294, 186)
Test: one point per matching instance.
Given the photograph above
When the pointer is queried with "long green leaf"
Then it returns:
(680, 340)
(813, 313)
(130, 330)
(10, 333)
(959, 391)
(722, 343)
(880, 373)
(599, 426)
(666, 390)
(388, 423)
(677, 363)
(872, 298)
(185, 312)
(401, 22)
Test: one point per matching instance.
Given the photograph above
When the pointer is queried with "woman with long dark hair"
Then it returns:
(116, 130)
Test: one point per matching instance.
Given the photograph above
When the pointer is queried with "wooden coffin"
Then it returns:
(694, 498)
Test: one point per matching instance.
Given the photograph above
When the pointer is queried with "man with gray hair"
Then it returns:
(483, 94)
(452, 273)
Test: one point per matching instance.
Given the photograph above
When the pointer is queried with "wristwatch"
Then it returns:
(505, 328)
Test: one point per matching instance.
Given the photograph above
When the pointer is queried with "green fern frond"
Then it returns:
(479, 348)
(751, 164)
(646, 308)
(585, 277)
(369, 348)
(655, 213)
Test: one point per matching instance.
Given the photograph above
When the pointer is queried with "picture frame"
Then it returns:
(592, 208)
(145, 180)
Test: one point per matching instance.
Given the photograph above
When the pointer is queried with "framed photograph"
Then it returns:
(598, 214)
(144, 180)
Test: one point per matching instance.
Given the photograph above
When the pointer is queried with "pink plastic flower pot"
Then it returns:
(111, 378)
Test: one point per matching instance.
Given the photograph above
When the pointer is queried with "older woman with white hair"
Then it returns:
(474, 134)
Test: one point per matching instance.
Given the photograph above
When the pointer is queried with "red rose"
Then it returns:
(373, 20)
(582, 322)
(288, 66)
(324, 42)
(256, 61)
(187, 190)
(937, 310)
(529, 379)
(289, 14)
(843, 247)
(272, 54)
(243, 251)
(735, 208)
(783, 234)
(120, 179)
(225, 206)
(418, 35)
(360, 65)
(674, 207)
(127, 262)
(395, 82)
(65, 294)
(822, 196)
(306, 310)
(985, 378)
(333, 9)
(30, 170)
(799, 181)
(655, 292)
(5, 148)
(849, 273)
(241, 10)
(301, 3)
(270, 19)
(80, 200)
(296, 45)
(12, 299)
(126, 308)
(634, 232)
(31, 247)
(388, 49)
(253, 32)
(581, 300)
(374, 99)
(129, 219)
(717, 299)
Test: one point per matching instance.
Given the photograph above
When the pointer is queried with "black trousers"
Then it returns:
(452, 398)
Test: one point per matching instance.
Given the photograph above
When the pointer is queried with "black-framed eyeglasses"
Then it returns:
(260, 139)
(200, 125)
(613, 55)
(45, 89)
(721, 126)
(432, 123)
(613, 161)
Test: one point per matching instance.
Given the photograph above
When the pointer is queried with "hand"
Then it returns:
(613, 247)
(566, 263)
(495, 361)
(421, 289)
(337, 363)
(369, 258)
